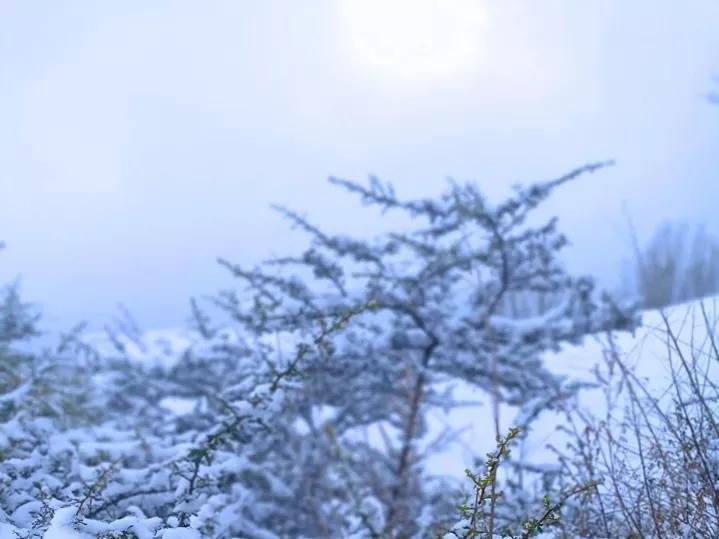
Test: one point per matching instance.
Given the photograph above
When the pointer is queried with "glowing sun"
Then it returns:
(413, 39)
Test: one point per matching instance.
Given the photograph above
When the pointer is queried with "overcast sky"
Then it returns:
(141, 140)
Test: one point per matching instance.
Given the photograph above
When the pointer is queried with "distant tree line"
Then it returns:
(678, 264)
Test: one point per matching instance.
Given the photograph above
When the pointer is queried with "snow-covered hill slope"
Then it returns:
(650, 353)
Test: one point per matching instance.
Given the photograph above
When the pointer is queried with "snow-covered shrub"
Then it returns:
(87, 448)
(437, 291)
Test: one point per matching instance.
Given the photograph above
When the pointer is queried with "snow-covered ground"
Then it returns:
(645, 352)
